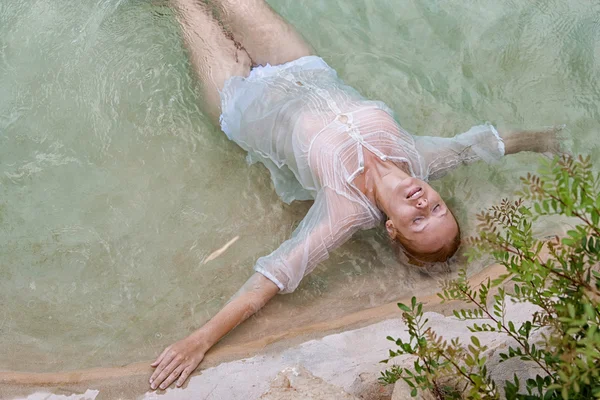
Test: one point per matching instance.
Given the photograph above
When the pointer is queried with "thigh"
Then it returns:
(266, 35)
(214, 57)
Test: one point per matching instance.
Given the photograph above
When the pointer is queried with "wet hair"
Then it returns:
(418, 258)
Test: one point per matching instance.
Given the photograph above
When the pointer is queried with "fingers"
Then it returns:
(184, 375)
(178, 368)
(164, 363)
(165, 373)
(176, 361)
(159, 358)
(174, 375)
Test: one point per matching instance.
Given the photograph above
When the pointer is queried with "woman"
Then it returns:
(321, 140)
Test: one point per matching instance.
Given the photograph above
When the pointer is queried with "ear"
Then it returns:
(390, 228)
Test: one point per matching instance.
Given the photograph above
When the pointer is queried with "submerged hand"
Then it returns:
(177, 361)
(181, 359)
(551, 141)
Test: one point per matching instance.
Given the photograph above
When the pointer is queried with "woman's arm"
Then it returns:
(483, 142)
(181, 358)
(330, 222)
(539, 141)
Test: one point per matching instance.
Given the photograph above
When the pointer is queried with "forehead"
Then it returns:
(439, 232)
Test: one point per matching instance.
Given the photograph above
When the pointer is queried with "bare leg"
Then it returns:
(214, 57)
(266, 36)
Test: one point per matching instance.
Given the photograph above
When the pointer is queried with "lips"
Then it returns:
(414, 193)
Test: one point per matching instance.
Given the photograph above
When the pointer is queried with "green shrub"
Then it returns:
(560, 275)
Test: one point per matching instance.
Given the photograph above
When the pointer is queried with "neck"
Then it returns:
(380, 178)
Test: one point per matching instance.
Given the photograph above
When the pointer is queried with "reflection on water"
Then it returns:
(114, 189)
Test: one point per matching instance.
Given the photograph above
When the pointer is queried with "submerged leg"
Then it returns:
(266, 35)
(214, 57)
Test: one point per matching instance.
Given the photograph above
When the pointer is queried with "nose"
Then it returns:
(422, 203)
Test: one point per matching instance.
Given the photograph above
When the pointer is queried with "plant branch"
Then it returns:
(485, 310)
(575, 213)
(457, 368)
(542, 264)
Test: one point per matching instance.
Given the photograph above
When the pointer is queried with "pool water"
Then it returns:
(115, 188)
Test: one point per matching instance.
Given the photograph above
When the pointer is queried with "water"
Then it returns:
(114, 188)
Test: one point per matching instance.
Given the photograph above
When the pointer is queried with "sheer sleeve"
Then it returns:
(329, 223)
(441, 155)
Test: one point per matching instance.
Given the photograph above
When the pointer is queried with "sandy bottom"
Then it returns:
(130, 381)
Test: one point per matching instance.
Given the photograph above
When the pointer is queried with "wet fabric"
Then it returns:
(311, 131)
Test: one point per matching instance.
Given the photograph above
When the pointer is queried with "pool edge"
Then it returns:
(235, 352)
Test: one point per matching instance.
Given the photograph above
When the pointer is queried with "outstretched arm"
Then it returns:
(330, 221)
(483, 142)
(181, 358)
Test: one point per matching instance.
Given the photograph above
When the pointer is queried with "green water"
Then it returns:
(114, 188)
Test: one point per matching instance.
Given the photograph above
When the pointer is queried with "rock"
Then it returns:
(281, 381)
(402, 391)
(297, 383)
(367, 387)
(502, 371)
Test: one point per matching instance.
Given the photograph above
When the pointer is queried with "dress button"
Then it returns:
(343, 118)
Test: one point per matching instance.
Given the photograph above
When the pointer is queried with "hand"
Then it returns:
(551, 141)
(178, 360)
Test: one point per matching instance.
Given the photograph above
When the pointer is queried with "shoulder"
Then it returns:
(349, 208)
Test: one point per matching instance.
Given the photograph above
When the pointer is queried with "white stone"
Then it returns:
(297, 383)
(366, 386)
(347, 360)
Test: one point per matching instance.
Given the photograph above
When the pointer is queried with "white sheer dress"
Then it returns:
(311, 131)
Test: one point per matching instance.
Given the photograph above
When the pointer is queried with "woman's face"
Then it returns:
(419, 218)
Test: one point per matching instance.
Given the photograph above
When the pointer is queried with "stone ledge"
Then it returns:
(297, 383)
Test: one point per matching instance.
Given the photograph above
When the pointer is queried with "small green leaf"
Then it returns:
(403, 307)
